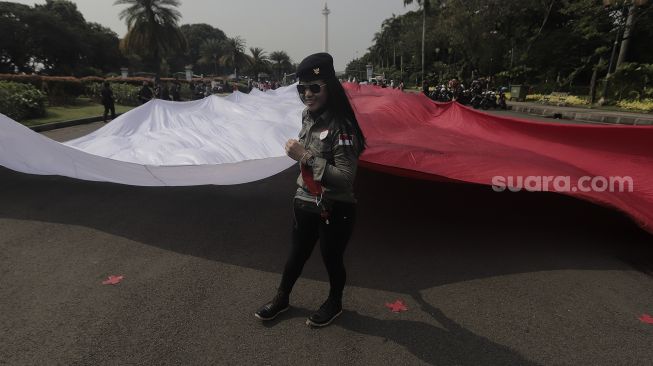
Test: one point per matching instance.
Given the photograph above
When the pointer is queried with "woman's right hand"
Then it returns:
(295, 150)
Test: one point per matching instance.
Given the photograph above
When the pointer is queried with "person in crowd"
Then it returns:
(176, 91)
(108, 101)
(157, 88)
(145, 94)
(165, 91)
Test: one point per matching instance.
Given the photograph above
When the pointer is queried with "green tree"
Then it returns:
(258, 61)
(234, 54)
(210, 53)
(282, 61)
(102, 49)
(16, 48)
(54, 38)
(57, 44)
(425, 5)
(196, 35)
(152, 30)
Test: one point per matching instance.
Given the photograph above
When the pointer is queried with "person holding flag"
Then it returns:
(327, 151)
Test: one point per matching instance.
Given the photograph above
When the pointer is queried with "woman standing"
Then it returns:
(329, 144)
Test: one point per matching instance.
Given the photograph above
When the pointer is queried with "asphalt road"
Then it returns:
(488, 278)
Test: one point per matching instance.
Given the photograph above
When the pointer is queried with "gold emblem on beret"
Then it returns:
(316, 71)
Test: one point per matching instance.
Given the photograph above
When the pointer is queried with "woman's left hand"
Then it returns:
(295, 150)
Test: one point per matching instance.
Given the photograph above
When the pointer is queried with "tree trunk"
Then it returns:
(626, 38)
(604, 95)
(539, 32)
(156, 61)
(423, 38)
(394, 56)
(593, 82)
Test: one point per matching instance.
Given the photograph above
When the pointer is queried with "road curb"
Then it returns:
(552, 112)
(62, 124)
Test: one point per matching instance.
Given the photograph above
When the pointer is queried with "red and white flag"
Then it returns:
(345, 139)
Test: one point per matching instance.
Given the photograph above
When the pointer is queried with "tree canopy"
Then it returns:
(55, 39)
(540, 42)
(152, 29)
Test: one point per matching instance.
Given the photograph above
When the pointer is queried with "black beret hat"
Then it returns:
(316, 66)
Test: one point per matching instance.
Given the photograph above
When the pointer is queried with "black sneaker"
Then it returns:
(275, 307)
(326, 314)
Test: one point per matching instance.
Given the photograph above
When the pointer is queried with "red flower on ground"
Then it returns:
(645, 318)
(113, 280)
(396, 306)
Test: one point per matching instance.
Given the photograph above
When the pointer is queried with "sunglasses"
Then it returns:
(314, 88)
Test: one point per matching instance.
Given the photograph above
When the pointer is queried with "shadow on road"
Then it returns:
(449, 344)
(410, 234)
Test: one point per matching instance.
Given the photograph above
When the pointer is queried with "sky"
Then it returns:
(294, 26)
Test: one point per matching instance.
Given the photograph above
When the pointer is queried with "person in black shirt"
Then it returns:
(108, 101)
(176, 91)
(145, 94)
(165, 91)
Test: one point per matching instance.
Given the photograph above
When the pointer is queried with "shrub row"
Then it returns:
(124, 93)
(645, 105)
(21, 101)
(63, 90)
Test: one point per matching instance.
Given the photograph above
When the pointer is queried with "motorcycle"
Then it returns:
(488, 100)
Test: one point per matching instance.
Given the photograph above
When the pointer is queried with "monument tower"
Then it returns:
(326, 13)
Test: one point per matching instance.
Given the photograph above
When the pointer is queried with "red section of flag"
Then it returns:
(409, 134)
(307, 175)
(396, 306)
(113, 280)
(645, 318)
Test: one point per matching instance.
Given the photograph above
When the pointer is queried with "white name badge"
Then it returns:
(324, 134)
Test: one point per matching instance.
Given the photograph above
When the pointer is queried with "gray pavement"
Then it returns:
(489, 278)
(582, 114)
(537, 117)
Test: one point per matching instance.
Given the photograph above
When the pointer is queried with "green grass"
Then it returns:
(83, 108)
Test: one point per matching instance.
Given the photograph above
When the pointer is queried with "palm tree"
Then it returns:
(282, 59)
(211, 51)
(258, 61)
(234, 53)
(152, 30)
(425, 5)
(391, 28)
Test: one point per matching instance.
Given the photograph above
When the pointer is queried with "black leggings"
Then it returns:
(109, 107)
(307, 228)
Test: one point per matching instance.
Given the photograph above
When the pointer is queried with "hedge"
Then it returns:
(645, 105)
(63, 90)
(124, 94)
(21, 101)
